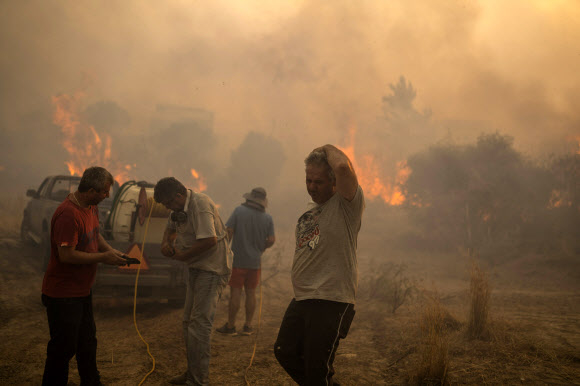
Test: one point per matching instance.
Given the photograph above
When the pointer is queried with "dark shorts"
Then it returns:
(244, 278)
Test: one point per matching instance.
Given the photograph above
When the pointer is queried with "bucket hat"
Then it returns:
(258, 196)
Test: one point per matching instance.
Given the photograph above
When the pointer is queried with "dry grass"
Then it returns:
(273, 260)
(532, 335)
(479, 308)
(11, 209)
(392, 285)
(512, 354)
(434, 346)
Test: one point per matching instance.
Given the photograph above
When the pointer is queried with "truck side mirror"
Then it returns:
(31, 193)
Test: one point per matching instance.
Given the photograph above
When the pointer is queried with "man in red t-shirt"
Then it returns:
(76, 248)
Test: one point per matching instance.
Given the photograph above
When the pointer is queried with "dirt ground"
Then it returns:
(534, 326)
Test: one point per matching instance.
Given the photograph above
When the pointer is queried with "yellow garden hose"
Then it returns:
(135, 311)
(135, 299)
(257, 332)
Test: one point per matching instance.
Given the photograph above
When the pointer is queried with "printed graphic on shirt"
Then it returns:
(89, 237)
(307, 229)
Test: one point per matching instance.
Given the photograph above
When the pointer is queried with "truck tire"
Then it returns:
(24, 228)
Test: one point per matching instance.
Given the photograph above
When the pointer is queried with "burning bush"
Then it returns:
(485, 198)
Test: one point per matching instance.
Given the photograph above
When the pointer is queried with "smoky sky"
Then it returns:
(302, 72)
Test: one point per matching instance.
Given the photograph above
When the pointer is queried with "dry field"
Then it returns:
(532, 335)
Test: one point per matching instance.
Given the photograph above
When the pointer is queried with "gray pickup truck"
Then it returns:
(43, 202)
(130, 221)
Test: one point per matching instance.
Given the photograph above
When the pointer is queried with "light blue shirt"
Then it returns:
(251, 229)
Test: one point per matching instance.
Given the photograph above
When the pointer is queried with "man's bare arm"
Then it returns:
(70, 255)
(230, 233)
(103, 245)
(270, 241)
(167, 248)
(198, 247)
(346, 180)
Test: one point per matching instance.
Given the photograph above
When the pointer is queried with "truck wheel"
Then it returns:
(24, 237)
(44, 251)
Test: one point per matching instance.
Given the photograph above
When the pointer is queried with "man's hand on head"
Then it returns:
(319, 150)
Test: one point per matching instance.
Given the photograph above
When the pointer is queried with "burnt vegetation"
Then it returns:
(423, 317)
(487, 199)
(391, 284)
(513, 217)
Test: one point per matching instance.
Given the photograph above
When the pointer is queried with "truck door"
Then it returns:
(35, 207)
(58, 192)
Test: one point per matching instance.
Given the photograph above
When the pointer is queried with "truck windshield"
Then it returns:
(62, 188)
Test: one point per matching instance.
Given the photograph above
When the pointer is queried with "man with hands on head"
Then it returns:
(324, 270)
(196, 235)
(76, 248)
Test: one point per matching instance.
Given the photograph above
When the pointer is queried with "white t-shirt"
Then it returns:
(203, 221)
(325, 263)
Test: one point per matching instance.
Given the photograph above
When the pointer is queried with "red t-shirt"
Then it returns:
(77, 227)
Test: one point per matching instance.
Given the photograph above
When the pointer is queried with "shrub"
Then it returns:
(479, 307)
(392, 285)
(433, 351)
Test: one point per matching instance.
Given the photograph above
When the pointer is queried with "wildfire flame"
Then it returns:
(557, 200)
(560, 198)
(82, 142)
(370, 175)
(198, 178)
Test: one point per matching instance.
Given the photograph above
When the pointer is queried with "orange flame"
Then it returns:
(557, 200)
(369, 175)
(575, 142)
(201, 185)
(82, 142)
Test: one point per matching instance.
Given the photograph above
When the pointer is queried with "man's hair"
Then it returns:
(167, 188)
(96, 178)
(318, 158)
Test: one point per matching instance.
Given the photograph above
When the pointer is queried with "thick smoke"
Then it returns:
(300, 74)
